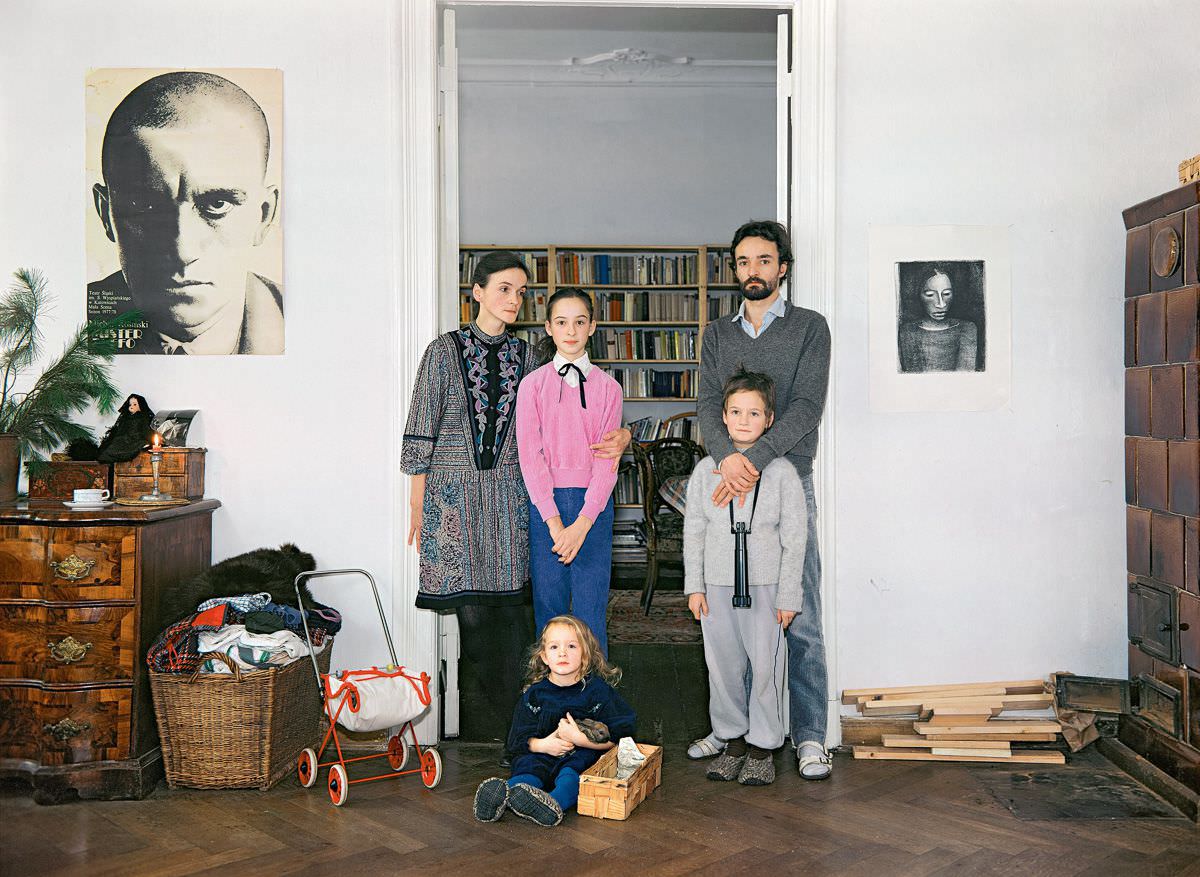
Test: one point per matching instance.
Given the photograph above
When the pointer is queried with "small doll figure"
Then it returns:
(124, 440)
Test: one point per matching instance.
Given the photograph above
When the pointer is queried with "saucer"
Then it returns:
(87, 506)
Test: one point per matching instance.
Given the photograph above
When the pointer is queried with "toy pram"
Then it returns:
(367, 700)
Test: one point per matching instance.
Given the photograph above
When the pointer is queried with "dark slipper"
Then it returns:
(536, 805)
(726, 768)
(490, 798)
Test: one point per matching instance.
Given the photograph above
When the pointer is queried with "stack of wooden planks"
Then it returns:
(962, 722)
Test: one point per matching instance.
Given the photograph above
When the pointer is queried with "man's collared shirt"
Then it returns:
(775, 310)
(222, 337)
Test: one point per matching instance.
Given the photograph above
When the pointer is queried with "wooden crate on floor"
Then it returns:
(604, 796)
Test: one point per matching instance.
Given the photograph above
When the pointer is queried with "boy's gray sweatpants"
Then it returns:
(737, 639)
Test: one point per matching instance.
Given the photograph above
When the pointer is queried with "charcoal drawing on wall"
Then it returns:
(941, 316)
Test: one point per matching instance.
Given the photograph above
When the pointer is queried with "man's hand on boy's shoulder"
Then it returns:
(738, 477)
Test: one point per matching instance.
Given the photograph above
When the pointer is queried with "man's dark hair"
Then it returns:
(768, 230)
(497, 260)
(754, 382)
(162, 101)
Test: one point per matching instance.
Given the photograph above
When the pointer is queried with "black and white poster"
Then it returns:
(183, 208)
(940, 318)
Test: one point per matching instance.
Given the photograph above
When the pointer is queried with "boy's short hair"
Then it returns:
(754, 382)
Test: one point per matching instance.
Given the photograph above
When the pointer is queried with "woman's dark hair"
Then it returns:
(748, 381)
(497, 260)
(545, 348)
(768, 230)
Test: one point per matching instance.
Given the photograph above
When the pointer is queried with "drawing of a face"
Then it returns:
(936, 297)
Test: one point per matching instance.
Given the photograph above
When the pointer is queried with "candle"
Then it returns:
(157, 445)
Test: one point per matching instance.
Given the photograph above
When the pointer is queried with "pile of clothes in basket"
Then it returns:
(251, 630)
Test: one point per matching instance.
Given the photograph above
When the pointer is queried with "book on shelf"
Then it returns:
(614, 343)
(643, 383)
(648, 429)
(723, 305)
(644, 306)
(720, 268)
(538, 263)
(674, 269)
(629, 487)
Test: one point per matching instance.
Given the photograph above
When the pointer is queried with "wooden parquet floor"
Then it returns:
(870, 819)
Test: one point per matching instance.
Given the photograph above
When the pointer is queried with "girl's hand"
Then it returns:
(416, 510)
(552, 745)
(697, 604)
(569, 731)
(784, 617)
(570, 539)
(555, 526)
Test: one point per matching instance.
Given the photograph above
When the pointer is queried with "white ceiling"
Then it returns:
(555, 32)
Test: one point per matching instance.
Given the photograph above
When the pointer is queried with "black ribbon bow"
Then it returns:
(563, 372)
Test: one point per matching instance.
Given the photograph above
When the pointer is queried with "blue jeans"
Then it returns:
(580, 587)
(566, 786)
(808, 685)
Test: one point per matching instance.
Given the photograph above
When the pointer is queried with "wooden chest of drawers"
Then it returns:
(1162, 480)
(80, 596)
(180, 474)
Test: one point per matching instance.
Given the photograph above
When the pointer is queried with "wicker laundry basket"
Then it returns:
(240, 731)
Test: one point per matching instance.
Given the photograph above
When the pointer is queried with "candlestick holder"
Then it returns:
(155, 495)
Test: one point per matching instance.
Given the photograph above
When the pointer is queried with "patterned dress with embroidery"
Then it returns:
(460, 435)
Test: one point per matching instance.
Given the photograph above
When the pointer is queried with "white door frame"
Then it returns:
(415, 230)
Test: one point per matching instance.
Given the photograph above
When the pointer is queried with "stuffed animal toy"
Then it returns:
(264, 569)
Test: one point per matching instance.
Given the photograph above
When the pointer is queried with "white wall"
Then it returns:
(298, 444)
(984, 546)
(595, 164)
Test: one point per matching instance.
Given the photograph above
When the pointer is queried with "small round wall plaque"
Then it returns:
(1164, 252)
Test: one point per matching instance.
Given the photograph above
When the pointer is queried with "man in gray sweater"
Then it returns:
(791, 345)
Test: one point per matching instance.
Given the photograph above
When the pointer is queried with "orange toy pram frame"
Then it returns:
(339, 693)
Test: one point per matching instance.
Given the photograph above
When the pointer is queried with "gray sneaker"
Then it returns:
(726, 768)
(757, 772)
(490, 798)
(536, 805)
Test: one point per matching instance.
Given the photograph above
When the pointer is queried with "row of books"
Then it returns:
(648, 429)
(629, 487)
(629, 541)
(643, 344)
(720, 267)
(655, 383)
(605, 268)
(675, 307)
(537, 263)
(722, 306)
(533, 307)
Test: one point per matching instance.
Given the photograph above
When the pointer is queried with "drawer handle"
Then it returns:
(66, 729)
(68, 650)
(72, 568)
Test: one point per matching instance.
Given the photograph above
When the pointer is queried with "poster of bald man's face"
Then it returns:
(183, 208)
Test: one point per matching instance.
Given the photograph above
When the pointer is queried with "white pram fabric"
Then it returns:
(374, 699)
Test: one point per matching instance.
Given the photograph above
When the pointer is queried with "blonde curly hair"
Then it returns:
(593, 662)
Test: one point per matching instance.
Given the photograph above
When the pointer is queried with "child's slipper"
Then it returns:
(814, 761)
(757, 772)
(536, 805)
(705, 747)
(490, 798)
(726, 768)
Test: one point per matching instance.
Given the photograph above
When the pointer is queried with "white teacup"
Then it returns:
(91, 495)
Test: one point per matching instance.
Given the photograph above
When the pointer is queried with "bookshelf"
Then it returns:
(652, 304)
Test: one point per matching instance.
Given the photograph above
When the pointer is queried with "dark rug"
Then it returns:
(1089, 787)
(669, 621)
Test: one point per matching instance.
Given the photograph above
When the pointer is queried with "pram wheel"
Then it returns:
(431, 768)
(306, 768)
(397, 752)
(339, 788)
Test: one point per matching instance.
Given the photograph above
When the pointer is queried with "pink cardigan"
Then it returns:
(554, 432)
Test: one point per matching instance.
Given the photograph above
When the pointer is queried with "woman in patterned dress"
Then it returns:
(468, 507)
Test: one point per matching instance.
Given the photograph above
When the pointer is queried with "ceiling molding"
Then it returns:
(619, 67)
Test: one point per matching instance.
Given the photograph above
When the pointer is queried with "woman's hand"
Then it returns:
(416, 510)
(552, 745)
(570, 539)
(697, 605)
(569, 731)
(784, 617)
(612, 445)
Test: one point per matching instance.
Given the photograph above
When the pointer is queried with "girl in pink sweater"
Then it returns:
(563, 408)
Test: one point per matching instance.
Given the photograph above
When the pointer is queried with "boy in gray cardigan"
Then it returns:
(737, 638)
